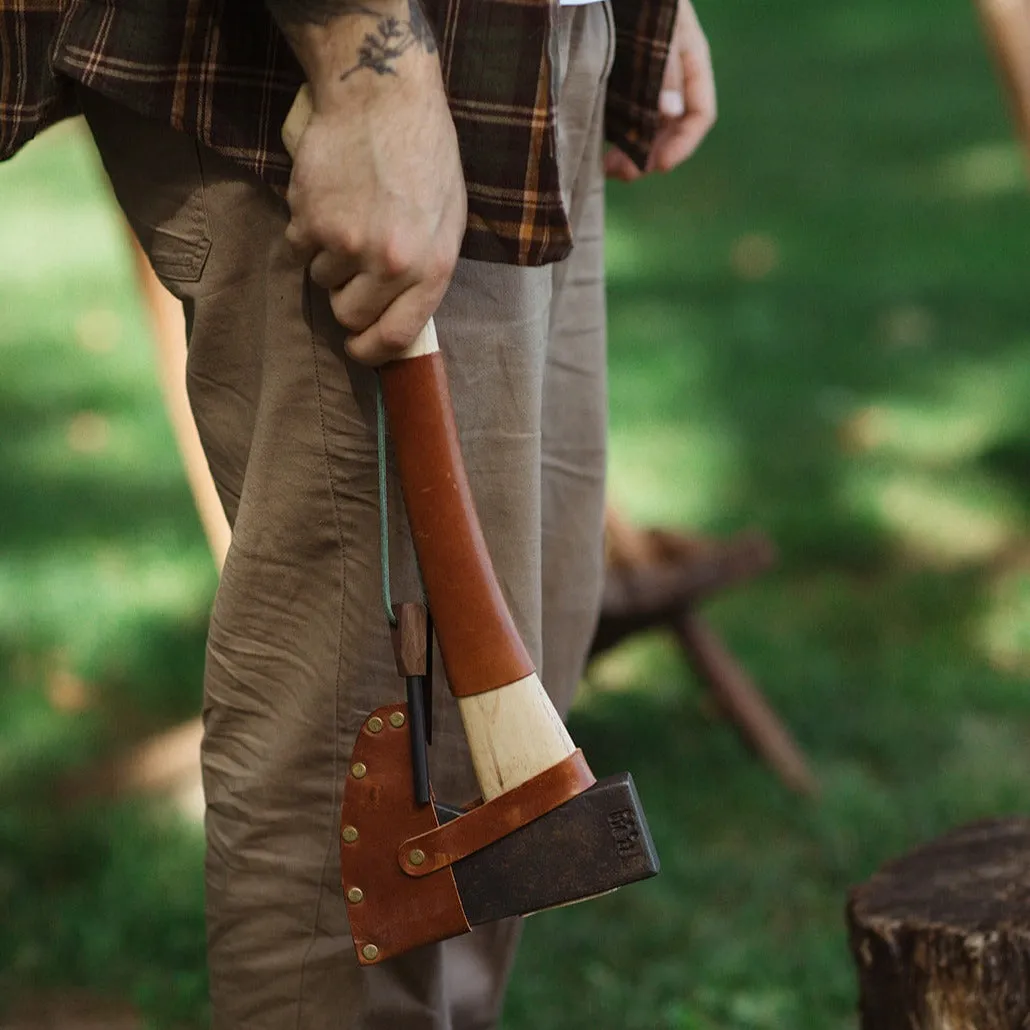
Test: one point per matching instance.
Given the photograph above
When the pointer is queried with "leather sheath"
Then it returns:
(395, 912)
(489, 822)
(480, 646)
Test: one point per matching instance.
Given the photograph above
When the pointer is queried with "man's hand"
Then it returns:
(377, 195)
(687, 102)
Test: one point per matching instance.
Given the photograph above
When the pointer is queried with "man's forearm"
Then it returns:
(377, 195)
(335, 39)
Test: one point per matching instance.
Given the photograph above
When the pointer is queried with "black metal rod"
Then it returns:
(419, 754)
(427, 680)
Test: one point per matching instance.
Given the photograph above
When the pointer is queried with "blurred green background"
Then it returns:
(820, 327)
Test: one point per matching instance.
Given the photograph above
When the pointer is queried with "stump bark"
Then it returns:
(941, 937)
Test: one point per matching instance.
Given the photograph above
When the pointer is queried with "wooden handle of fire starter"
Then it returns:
(513, 730)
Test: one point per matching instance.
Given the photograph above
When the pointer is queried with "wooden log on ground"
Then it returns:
(655, 574)
(742, 703)
(656, 578)
(941, 937)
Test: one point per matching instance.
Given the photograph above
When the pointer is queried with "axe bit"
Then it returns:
(590, 846)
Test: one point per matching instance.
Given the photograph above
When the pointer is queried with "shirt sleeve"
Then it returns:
(643, 30)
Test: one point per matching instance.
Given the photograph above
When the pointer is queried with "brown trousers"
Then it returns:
(298, 650)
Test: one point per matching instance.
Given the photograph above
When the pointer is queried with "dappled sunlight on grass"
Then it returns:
(944, 519)
(649, 663)
(918, 433)
(67, 243)
(673, 454)
(1003, 628)
(921, 461)
(626, 251)
(75, 592)
(983, 170)
(62, 243)
(673, 477)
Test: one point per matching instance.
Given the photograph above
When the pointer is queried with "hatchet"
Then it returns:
(547, 833)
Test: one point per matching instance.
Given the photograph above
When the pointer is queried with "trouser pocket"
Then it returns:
(156, 176)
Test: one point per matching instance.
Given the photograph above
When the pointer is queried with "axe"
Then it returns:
(546, 832)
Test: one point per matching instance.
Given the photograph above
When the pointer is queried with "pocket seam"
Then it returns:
(179, 257)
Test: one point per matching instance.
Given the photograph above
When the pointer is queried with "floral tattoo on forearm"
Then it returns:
(381, 48)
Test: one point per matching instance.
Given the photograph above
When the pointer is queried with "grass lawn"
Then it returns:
(821, 327)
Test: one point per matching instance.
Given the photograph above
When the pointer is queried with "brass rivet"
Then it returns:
(416, 856)
(375, 724)
(355, 894)
(358, 770)
(349, 834)
(370, 952)
(397, 720)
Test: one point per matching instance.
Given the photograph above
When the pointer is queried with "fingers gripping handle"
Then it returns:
(293, 128)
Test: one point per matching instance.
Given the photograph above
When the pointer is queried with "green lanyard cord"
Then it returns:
(384, 521)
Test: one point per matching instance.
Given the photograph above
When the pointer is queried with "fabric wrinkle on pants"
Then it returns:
(298, 650)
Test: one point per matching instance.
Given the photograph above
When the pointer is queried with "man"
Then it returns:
(472, 127)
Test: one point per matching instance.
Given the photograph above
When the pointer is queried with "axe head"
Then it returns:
(592, 844)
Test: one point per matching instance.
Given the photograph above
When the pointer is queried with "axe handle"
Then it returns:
(512, 727)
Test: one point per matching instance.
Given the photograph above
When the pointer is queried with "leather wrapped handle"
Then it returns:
(480, 646)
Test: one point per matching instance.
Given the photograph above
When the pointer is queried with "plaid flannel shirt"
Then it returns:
(221, 71)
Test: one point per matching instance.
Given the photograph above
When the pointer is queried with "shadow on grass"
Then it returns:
(54, 496)
(108, 898)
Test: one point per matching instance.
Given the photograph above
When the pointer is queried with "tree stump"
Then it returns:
(941, 937)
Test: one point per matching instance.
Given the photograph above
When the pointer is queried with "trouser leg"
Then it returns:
(575, 399)
(573, 428)
(298, 650)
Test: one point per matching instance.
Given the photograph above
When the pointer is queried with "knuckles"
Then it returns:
(345, 239)
(440, 266)
(398, 257)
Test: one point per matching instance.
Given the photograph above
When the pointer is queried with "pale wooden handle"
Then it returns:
(296, 120)
(513, 732)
